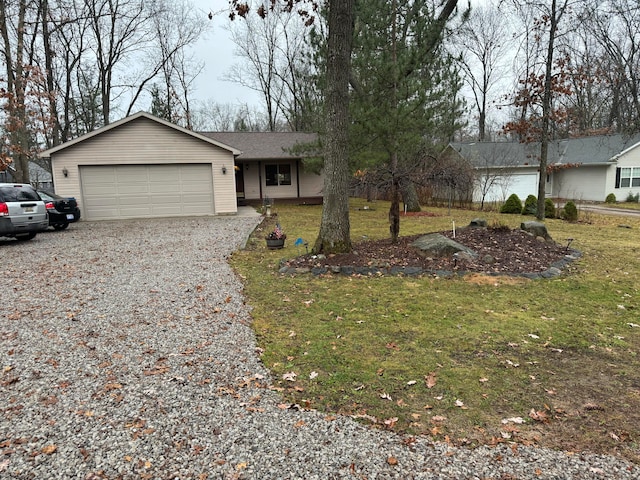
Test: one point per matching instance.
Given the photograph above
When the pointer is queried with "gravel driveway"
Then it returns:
(127, 353)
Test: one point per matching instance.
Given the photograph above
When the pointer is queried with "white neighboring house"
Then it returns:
(587, 168)
(142, 166)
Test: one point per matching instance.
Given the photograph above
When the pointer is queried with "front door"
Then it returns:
(240, 183)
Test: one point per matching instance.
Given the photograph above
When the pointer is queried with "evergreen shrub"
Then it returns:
(512, 205)
(549, 208)
(570, 212)
(611, 198)
(530, 205)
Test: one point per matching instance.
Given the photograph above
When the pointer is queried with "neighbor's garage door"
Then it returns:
(140, 191)
(522, 185)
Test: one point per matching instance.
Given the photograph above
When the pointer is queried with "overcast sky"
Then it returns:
(216, 51)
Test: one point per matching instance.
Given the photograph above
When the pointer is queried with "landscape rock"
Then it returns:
(537, 229)
(478, 223)
(437, 245)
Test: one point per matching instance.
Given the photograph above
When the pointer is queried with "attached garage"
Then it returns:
(522, 184)
(143, 167)
(135, 191)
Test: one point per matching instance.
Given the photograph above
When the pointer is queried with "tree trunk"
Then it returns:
(394, 210)
(410, 196)
(334, 236)
(546, 110)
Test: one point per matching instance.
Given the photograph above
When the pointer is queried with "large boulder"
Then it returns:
(537, 229)
(437, 245)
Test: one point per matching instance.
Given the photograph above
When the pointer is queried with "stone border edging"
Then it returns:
(349, 270)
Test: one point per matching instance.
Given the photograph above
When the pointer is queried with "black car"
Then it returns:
(62, 210)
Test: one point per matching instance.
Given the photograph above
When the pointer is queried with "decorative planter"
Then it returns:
(275, 243)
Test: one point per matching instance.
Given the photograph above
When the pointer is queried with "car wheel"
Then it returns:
(25, 236)
(60, 226)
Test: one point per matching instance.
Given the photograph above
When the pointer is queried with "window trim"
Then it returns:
(283, 175)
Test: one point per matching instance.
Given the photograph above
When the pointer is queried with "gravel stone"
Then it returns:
(127, 353)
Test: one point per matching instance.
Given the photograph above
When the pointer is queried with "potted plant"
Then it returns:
(275, 239)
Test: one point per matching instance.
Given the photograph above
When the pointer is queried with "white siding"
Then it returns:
(582, 183)
(630, 158)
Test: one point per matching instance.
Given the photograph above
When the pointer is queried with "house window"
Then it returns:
(629, 177)
(277, 175)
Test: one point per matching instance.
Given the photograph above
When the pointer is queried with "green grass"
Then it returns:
(498, 347)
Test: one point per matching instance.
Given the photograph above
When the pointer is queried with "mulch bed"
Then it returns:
(511, 252)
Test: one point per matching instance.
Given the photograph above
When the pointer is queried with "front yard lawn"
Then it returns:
(469, 359)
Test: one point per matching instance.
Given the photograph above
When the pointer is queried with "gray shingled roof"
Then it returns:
(593, 150)
(262, 145)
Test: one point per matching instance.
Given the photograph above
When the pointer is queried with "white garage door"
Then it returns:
(141, 191)
(522, 185)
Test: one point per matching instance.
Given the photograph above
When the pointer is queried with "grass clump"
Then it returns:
(469, 351)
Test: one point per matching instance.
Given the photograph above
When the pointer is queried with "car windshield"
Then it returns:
(18, 193)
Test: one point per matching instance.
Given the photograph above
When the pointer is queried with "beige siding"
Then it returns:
(145, 142)
(311, 184)
(251, 182)
(280, 191)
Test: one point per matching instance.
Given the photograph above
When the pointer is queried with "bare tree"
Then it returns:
(543, 81)
(273, 54)
(175, 27)
(615, 24)
(483, 44)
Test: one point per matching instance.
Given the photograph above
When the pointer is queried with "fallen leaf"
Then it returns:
(290, 376)
(313, 375)
(392, 461)
(49, 449)
(385, 396)
(518, 420)
(460, 403)
(299, 423)
(483, 380)
(411, 382)
(390, 422)
(538, 416)
(430, 380)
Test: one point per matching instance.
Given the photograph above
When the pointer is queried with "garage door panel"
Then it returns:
(138, 191)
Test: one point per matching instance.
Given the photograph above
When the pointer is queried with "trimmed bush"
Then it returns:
(549, 208)
(530, 205)
(611, 198)
(570, 212)
(512, 205)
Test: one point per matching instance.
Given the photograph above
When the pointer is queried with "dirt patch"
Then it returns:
(500, 251)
